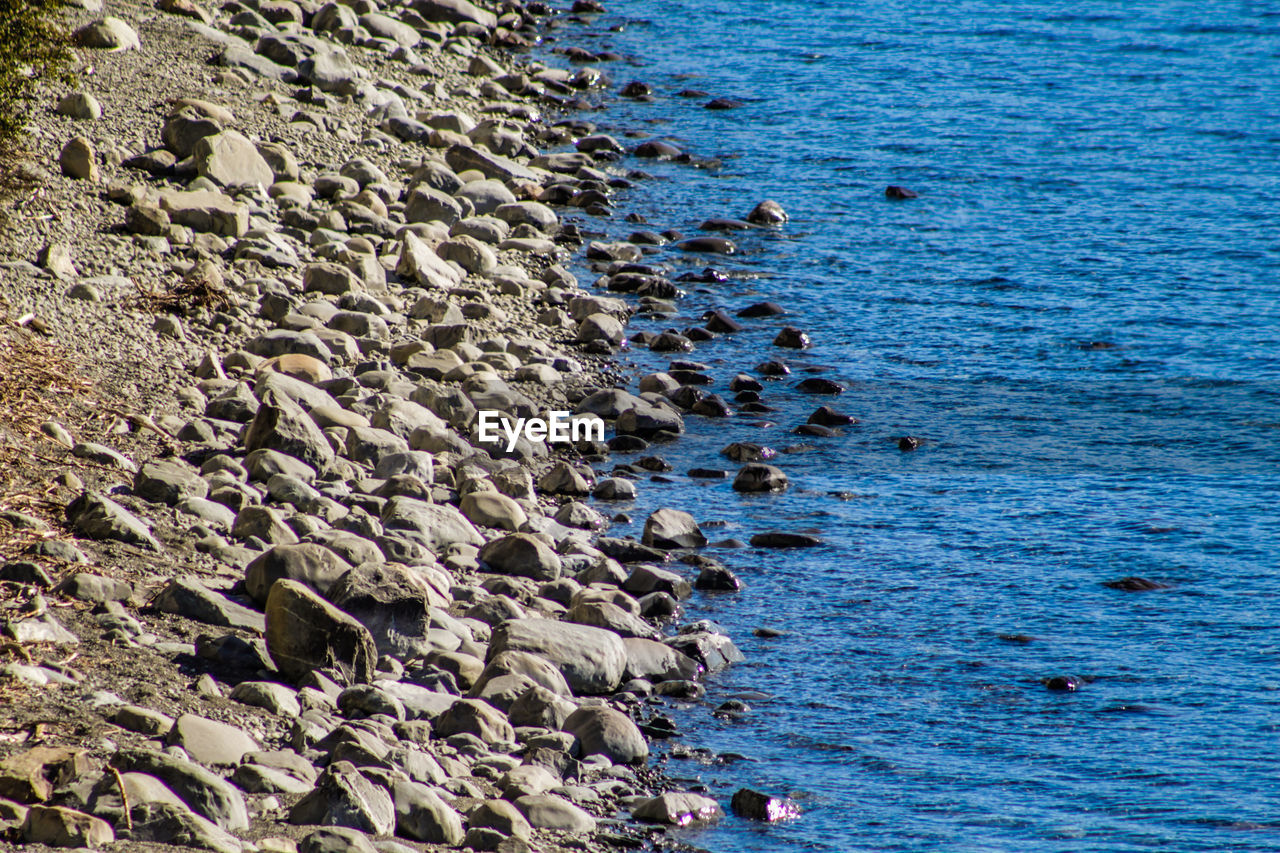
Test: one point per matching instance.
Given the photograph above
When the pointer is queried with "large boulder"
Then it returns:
(308, 563)
(454, 12)
(523, 555)
(305, 633)
(343, 797)
(283, 425)
(230, 160)
(435, 526)
(604, 731)
(392, 602)
(592, 660)
(475, 717)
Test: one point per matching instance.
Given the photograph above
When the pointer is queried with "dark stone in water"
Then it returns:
(909, 442)
(747, 397)
(1135, 584)
(1063, 683)
(660, 727)
(722, 104)
(711, 406)
(699, 335)
(756, 408)
(743, 382)
(635, 89)
(689, 377)
(747, 451)
(708, 473)
(679, 689)
(898, 193)
(782, 539)
(710, 275)
(729, 543)
(762, 309)
(768, 633)
(659, 606)
(655, 150)
(757, 806)
(816, 430)
(587, 6)
(817, 385)
(653, 463)
(720, 321)
(627, 443)
(630, 551)
(772, 367)
(827, 416)
(1021, 639)
(710, 245)
(725, 225)
(792, 338)
(692, 93)
(717, 578)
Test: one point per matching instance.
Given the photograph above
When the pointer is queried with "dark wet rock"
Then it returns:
(720, 321)
(708, 473)
(645, 579)
(768, 633)
(792, 338)
(656, 150)
(343, 797)
(909, 442)
(721, 224)
(722, 104)
(604, 731)
(1063, 683)
(746, 451)
(815, 430)
(629, 550)
(305, 632)
(718, 579)
(826, 416)
(782, 539)
(768, 213)
(1133, 583)
(654, 661)
(896, 192)
(762, 309)
(709, 275)
(818, 385)
(714, 651)
(99, 517)
(758, 477)
(635, 89)
(710, 245)
(757, 806)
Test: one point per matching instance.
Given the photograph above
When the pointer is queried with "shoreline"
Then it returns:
(330, 358)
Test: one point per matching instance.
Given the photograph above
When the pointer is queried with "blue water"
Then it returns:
(1080, 315)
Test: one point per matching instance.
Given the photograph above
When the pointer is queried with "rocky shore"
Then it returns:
(264, 586)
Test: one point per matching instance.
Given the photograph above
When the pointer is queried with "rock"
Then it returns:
(717, 579)
(207, 211)
(61, 827)
(343, 797)
(171, 823)
(592, 660)
(185, 128)
(209, 741)
(95, 588)
(462, 158)
(33, 775)
(419, 262)
(166, 481)
(818, 385)
(522, 555)
(604, 731)
(110, 33)
(546, 811)
(792, 338)
(1132, 583)
(276, 698)
(491, 509)
(281, 424)
(147, 219)
(614, 489)
(645, 579)
(142, 720)
(783, 539)
(436, 527)
(656, 661)
(80, 105)
(767, 213)
(758, 477)
(472, 716)
(392, 602)
(499, 815)
(423, 816)
(757, 806)
(677, 809)
(601, 327)
(713, 651)
(538, 706)
(79, 160)
(308, 563)
(206, 793)
(671, 528)
(100, 517)
(898, 193)
(336, 839)
(455, 12)
(305, 632)
(708, 245)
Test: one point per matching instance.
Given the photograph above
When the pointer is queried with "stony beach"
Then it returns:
(264, 586)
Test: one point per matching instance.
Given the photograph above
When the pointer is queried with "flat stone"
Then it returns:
(62, 827)
(209, 741)
(677, 809)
